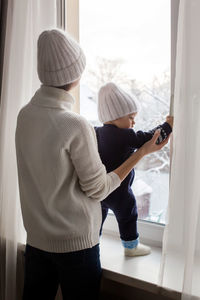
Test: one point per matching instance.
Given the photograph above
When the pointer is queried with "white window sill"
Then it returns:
(150, 233)
(139, 272)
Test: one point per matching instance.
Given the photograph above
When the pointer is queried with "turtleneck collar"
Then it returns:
(48, 96)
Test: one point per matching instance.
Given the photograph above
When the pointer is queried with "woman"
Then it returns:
(62, 179)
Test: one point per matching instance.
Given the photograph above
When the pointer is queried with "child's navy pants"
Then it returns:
(124, 207)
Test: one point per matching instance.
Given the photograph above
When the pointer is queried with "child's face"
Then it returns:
(126, 122)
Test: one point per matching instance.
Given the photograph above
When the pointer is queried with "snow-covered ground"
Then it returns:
(159, 184)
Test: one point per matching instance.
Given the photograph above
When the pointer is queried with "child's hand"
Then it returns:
(170, 120)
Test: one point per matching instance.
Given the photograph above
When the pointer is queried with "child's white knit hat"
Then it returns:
(60, 58)
(114, 103)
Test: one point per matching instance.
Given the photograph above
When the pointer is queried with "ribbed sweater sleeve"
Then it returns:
(94, 181)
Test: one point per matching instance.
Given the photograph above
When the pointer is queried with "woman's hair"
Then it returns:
(65, 87)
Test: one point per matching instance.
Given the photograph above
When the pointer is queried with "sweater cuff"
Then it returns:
(165, 131)
(115, 179)
(167, 128)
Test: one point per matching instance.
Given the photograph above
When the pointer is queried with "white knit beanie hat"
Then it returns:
(114, 103)
(60, 58)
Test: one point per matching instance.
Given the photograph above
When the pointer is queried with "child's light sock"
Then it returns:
(135, 248)
(130, 244)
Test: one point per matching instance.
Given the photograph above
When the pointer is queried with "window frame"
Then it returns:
(150, 232)
(68, 19)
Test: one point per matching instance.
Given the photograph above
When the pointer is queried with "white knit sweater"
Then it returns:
(61, 177)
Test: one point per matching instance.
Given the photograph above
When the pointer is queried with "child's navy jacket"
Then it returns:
(115, 145)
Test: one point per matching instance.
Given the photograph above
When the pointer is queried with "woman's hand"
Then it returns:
(124, 169)
(151, 146)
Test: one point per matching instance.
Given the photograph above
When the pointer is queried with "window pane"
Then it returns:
(128, 42)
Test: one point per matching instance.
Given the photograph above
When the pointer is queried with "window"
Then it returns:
(129, 42)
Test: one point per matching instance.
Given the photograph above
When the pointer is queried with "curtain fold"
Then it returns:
(25, 20)
(180, 266)
(3, 18)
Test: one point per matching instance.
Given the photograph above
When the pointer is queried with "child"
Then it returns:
(116, 142)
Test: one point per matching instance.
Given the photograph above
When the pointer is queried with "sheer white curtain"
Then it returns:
(180, 267)
(26, 19)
